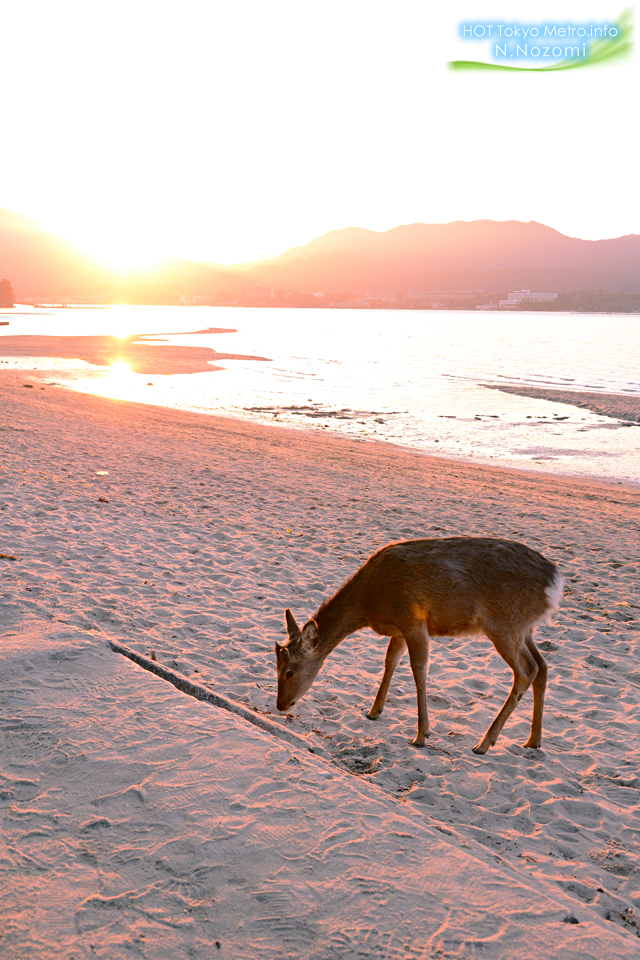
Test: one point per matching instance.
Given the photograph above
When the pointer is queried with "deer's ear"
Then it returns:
(281, 650)
(292, 627)
(309, 635)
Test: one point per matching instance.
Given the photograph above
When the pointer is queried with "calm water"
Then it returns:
(412, 378)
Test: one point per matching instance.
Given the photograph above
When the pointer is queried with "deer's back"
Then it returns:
(459, 585)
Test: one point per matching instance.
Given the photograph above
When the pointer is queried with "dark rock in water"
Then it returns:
(6, 294)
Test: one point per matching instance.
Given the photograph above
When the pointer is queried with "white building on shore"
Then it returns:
(516, 297)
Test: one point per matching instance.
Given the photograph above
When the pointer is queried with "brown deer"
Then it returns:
(418, 589)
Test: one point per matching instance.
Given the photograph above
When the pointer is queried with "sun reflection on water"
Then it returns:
(123, 319)
(120, 370)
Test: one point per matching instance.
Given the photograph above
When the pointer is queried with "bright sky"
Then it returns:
(228, 130)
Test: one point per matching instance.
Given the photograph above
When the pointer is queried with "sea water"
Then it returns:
(420, 379)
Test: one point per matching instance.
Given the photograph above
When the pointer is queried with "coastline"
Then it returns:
(187, 535)
(454, 419)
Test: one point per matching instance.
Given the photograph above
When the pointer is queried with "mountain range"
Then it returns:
(484, 255)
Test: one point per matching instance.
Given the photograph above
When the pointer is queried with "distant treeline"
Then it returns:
(580, 301)
(589, 301)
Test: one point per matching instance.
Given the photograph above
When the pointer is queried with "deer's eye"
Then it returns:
(289, 675)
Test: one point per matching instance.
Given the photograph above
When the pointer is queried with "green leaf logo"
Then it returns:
(603, 50)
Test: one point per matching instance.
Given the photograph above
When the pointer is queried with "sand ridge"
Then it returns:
(188, 535)
(612, 405)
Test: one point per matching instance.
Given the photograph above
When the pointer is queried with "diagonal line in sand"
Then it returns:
(196, 690)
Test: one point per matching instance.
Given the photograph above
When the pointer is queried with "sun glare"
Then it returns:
(120, 370)
(125, 254)
(122, 321)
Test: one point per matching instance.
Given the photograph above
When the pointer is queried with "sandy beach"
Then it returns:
(138, 821)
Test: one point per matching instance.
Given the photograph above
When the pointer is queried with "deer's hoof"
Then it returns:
(419, 742)
(532, 744)
(481, 747)
(373, 715)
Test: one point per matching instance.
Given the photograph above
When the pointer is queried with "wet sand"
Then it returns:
(606, 404)
(146, 354)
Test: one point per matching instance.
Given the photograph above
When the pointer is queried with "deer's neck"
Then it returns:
(340, 616)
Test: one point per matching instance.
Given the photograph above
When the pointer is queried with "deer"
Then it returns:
(413, 590)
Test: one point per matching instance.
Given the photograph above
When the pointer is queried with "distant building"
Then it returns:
(260, 291)
(516, 297)
(520, 295)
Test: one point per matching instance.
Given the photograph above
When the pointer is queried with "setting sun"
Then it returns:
(220, 158)
(122, 253)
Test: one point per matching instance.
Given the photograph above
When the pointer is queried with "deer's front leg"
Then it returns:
(397, 646)
(418, 645)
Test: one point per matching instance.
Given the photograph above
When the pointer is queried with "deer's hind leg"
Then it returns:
(539, 687)
(397, 646)
(418, 643)
(516, 652)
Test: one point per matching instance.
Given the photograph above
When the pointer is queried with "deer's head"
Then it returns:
(297, 661)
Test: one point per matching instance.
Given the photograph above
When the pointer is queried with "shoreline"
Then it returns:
(308, 430)
(524, 437)
(284, 304)
(320, 433)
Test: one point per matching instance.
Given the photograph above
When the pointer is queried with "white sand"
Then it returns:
(140, 822)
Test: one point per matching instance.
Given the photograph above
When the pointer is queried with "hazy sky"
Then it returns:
(227, 131)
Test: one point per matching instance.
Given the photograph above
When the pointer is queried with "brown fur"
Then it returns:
(418, 589)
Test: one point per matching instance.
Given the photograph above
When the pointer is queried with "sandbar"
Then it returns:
(615, 405)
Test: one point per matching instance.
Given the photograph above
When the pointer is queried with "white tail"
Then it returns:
(419, 589)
